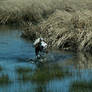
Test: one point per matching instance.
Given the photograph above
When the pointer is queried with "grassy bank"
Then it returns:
(65, 30)
(21, 11)
(65, 24)
(12, 11)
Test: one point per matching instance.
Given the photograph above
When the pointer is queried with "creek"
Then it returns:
(55, 75)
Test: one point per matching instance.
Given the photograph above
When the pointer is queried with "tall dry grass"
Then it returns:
(68, 21)
(12, 11)
(64, 30)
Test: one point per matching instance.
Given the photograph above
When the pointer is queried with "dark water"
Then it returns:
(56, 75)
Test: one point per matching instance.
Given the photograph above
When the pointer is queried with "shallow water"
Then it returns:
(56, 75)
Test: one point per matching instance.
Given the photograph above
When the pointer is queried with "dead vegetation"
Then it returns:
(65, 24)
(21, 11)
(67, 31)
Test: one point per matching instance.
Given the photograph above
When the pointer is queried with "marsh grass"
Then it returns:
(81, 86)
(65, 24)
(4, 79)
(63, 30)
(43, 75)
(25, 10)
(23, 70)
(19, 11)
(1, 68)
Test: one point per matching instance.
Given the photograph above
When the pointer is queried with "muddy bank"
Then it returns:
(64, 30)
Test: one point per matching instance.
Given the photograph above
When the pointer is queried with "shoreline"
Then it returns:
(64, 31)
(64, 24)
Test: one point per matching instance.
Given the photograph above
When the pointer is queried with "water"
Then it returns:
(56, 75)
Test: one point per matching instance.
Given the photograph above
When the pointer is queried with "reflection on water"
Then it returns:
(56, 75)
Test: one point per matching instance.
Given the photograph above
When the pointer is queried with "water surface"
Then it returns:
(56, 75)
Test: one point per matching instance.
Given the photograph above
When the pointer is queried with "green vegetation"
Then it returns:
(4, 79)
(24, 73)
(1, 68)
(81, 86)
(22, 70)
(44, 74)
